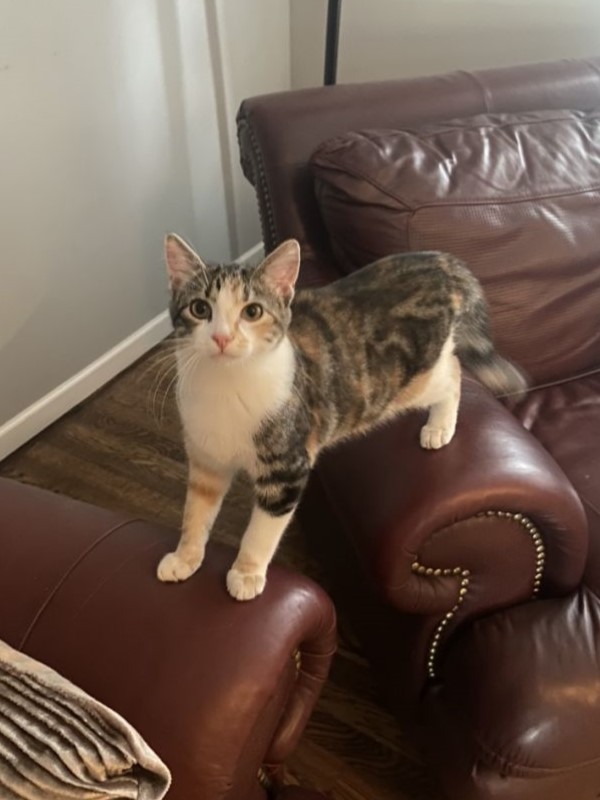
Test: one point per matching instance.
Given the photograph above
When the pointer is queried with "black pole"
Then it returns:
(334, 8)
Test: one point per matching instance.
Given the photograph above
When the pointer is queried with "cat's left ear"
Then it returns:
(182, 262)
(280, 269)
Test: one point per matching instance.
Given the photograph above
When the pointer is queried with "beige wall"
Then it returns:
(383, 39)
(116, 127)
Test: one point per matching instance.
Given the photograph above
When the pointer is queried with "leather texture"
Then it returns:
(518, 712)
(435, 589)
(278, 132)
(507, 193)
(214, 686)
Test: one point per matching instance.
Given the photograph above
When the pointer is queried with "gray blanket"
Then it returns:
(58, 743)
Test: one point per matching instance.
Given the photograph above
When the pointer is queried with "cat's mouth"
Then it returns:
(223, 355)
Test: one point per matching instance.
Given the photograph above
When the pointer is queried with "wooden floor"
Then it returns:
(122, 449)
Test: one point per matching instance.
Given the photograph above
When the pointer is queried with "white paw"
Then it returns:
(434, 438)
(245, 585)
(174, 568)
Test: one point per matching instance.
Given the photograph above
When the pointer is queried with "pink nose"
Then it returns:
(222, 340)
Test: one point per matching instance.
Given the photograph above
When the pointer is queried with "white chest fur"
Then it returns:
(223, 404)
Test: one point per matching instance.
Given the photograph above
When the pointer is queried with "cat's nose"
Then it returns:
(221, 340)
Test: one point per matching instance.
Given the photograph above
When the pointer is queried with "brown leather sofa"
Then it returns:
(472, 574)
(221, 690)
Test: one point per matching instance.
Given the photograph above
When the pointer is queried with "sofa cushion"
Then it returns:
(516, 712)
(516, 196)
(565, 418)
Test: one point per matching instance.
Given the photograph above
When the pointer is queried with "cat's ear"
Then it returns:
(182, 261)
(280, 269)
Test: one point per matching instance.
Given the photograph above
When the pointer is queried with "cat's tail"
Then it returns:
(473, 340)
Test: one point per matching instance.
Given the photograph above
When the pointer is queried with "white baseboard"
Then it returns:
(53, 405)
(33, 419)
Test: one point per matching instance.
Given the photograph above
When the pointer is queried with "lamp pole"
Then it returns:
(334, 8)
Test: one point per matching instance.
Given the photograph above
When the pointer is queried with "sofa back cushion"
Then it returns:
(517, 196)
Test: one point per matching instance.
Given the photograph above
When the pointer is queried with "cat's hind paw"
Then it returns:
(245, 585)
(433, 438)
(173, 568)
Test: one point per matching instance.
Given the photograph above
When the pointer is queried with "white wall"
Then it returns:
(116, 127)
(385, 39)
(251, 55)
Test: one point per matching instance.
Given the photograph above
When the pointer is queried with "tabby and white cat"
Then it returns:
(266, 380)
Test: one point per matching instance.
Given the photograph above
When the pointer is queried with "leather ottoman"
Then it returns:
(221, 690)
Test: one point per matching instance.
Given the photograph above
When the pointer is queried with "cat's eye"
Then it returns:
(200, 309)
(252, 312)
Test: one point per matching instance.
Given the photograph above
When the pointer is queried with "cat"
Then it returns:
(267, 378)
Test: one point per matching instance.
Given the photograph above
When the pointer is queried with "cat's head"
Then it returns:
(228, 312)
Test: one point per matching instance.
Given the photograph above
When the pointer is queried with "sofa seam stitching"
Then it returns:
(41, 610)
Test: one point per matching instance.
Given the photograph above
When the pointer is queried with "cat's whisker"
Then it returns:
(164, 351)
(183, 369)
(169, 373)
(173, 347)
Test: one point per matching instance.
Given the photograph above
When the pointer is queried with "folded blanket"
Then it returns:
(58, 743)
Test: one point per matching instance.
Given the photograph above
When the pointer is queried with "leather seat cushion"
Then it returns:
(518, 700)
(565, 418)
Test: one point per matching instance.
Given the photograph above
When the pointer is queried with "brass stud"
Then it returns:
(465, 574)
(264, 779)
(297, 656)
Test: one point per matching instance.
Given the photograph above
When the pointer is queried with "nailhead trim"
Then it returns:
(297, 656)
(465, 574)
(265, 207)
(264, 779)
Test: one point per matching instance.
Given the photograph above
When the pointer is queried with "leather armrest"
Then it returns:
(476, 524)
(218, 688)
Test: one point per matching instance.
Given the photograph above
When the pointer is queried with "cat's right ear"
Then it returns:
(182, 262)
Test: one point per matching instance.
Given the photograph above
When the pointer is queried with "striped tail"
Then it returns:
(473, 341)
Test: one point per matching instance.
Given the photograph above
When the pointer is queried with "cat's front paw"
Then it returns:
(174, 568)
(433, 438)
(245, 585)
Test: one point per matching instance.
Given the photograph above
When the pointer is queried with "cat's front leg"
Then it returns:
(205, 493)
(248, 575)
(274, 508)
(443, 411)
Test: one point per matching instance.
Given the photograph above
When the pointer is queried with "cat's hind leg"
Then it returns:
(205, 493)
(443, 400)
